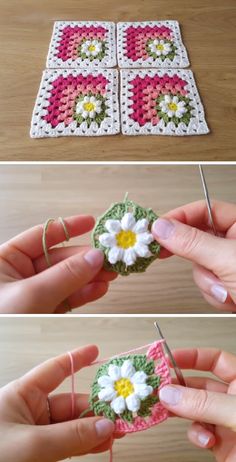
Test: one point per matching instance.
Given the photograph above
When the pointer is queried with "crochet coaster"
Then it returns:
(81, 44)
(123, 233)
(76, 102)
(125, 390)
(151, 44)
(161, 102)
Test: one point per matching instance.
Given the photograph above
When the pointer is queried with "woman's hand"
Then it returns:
(75, 278)
(186, 232)
(209, 403)
(36, 426)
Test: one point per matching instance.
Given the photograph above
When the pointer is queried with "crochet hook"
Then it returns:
(208, 202)
(177, 370)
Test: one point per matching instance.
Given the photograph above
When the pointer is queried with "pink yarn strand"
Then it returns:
(72, 385)
(134, 350)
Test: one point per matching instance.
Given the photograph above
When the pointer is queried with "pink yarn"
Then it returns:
(72, 37)
(137, 37)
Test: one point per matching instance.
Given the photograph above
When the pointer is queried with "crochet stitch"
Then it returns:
(123, 233)
(81, 44)
(161, 102)
(151, 44)
(125, 390)
(76, 102)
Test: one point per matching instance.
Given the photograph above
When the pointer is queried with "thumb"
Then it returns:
(193, 244)
(200, 405)
(49, 288)
(68, 439)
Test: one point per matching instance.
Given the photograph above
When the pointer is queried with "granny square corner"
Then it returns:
(82, 44)
(79, 102)
(151, 44)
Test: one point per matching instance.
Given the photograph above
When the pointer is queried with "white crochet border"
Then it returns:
(197, 126)
(110, 125)
(180, 60)
(109, 59)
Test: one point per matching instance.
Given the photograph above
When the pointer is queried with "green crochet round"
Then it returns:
(140, 363)
(116, 212)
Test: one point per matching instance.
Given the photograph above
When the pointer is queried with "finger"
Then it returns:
(58, 282)
(201, 437)
(200, 405)
(193, 244)
(226, 307)
(196, 214)
(30, 242)
(74, 438)
(60, 406)
(87, 294)
(58, 254)
(211, 285)
(221, 363)
(48, 375)
(204, 383)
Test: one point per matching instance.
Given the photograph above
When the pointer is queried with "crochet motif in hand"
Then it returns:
(125, 390)
(76, 102)
(124, 235)
(151, 44)
(82, 44)
(161, 102)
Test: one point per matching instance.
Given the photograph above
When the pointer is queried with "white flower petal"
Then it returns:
(98, 109)
(105, 381)
(114, 372)
(167, 99)
(175, 99)
(179, 114)
(85, 114)
(113, 226)
(118, 405)
(115, 255)
(128, 222)
(86, 99)
(170, 113)
(92, 114)
(93, 99)
(107, 240)
(133, 402)
(107, 394)
(130, 256)
(127, 369)
(141, 226)
(139, 377)
(142, 250)
(145, 238)
(142, 390)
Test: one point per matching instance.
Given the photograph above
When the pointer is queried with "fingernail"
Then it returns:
(170, 395)
(163, 228)
(94, 257)
(104, 427)
(219, 292)
(203, 439)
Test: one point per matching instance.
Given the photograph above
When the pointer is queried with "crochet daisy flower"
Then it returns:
(173, 107)
(124, 387)
(89, 107)
(127, 239)
(160, 47)
(91, 48)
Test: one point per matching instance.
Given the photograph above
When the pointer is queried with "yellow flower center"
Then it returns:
(89, 107)
(126, 239)
(160, 47)
(173, 106)
(124, 387)
(92, 48)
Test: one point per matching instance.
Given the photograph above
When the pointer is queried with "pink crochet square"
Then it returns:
(161, 102)
(76, 102)
(82, 44)
(151, 44)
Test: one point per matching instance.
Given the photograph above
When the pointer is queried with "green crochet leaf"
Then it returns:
(186, 117)
(102, 408)
(170, 55)
(127, 416)
(116, 212)
(154, 381)
(98, 117)
(146, 406)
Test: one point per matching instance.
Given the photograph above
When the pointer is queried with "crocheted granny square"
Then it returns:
(125, 390)
(123, 233)
(76, 102)
(161, 102)
(151, 44)
(82, 44)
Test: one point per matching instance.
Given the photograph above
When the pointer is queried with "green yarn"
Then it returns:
(98, 117)
(170, 55)
(140, 363)
(186, 117)
(116, 212)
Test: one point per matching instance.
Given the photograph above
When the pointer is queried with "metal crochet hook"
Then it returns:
(208, 202)
(177, 370)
